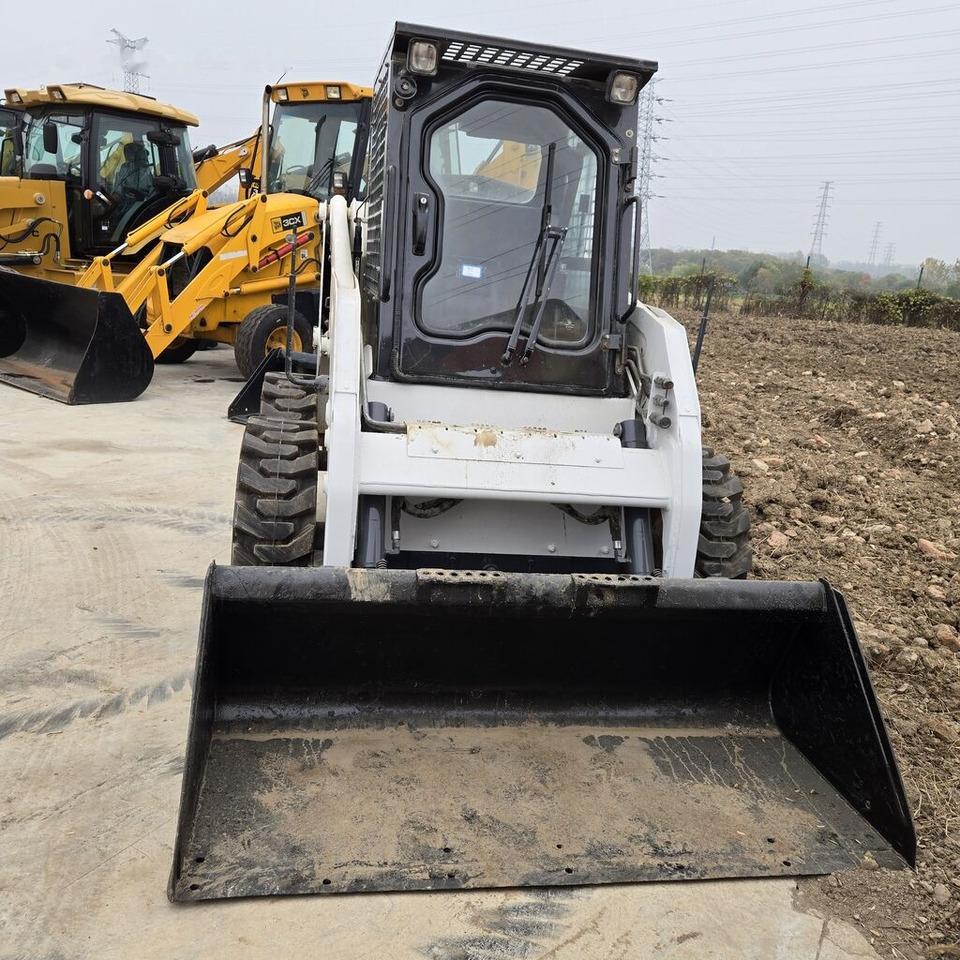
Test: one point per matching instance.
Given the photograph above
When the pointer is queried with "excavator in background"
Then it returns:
(486, 622)
(189, 274)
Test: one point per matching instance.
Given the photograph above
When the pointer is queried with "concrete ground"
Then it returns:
(109, 517)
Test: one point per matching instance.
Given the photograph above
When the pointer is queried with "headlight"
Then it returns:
(422, 57)
(623, 88)
(14, 97)
(333, 93)
(57, 93)
(282, 94)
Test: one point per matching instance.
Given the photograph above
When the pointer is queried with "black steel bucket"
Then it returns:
(69, 343)
(360, 730)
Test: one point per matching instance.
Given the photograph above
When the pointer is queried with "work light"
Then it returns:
(623, 88)
(422, 57)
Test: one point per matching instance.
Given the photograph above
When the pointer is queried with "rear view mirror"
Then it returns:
(163, 138)
(165, 184)
(50, 139)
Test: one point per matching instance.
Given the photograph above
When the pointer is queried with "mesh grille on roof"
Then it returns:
(460, 52)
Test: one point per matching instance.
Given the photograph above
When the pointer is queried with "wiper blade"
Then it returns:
(543, 266)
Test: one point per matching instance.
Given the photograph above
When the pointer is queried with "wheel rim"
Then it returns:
(278, 338)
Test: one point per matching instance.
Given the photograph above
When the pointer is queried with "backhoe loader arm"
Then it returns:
(215, 171)
(237, 249)
(99, 275)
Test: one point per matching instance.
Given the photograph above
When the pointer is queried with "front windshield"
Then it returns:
(8, 150)
(62, 162)
(489, 164)
(137, 169)
(309, 143)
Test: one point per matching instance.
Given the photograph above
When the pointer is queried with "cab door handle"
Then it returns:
(421, 218)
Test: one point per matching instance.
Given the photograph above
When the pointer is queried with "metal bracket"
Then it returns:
(661, 386)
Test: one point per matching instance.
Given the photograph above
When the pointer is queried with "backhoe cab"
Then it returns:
(313, 138)
(83, 167)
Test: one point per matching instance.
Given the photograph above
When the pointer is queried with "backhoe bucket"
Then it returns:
(359, 730)
(70, 343)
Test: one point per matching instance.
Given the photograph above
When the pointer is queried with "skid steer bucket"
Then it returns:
(359, 730)
(70, 343)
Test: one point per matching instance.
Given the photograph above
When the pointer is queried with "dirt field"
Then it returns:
(847, 441)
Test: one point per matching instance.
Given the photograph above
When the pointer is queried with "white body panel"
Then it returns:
(508, 451)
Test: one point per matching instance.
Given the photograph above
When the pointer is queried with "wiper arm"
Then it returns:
(543, 266)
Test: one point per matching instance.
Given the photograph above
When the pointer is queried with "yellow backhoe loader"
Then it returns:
(211, 274)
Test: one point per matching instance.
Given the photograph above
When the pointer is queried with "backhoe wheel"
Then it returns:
(724, 549)
(182, 348)
(275, 516)
(265, 328)
(281, 399)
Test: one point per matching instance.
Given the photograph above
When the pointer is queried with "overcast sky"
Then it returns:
(761, 100)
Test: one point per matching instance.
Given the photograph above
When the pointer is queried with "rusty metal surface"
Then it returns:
(399, 730)
(68, 343)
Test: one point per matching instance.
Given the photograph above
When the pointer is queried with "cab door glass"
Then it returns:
(489, 164)
(8, 152)
(62, 163)
(126, 163)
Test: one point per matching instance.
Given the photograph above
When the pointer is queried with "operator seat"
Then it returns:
(135, 173)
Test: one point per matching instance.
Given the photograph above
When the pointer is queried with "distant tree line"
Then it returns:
(776, 286)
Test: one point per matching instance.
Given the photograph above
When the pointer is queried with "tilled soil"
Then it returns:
(847, 441)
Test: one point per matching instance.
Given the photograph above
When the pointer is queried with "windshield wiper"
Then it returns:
(540, 272)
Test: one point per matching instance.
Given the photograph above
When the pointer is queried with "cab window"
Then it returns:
(8, 153)
(489, 163)
(309, 143)
(64, 140)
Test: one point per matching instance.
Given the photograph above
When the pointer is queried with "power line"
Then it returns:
(874, 244)
(129, 60)
(646, 106)
(819, 229)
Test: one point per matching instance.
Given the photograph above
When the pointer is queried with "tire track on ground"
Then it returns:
(54, 718)
(56, 510)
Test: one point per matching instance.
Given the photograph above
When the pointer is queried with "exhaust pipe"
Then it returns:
(374, 730)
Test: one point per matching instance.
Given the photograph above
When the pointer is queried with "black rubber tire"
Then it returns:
(183, 348)
(724, 548)
(281, 399)
(250, 346)
(275, 513)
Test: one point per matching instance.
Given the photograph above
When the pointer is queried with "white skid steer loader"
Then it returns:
(486, 624)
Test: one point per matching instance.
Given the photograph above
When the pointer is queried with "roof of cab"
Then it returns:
(89, 95)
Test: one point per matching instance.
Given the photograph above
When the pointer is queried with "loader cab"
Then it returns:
(500, 225)
(317, 139)
(121, 158)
